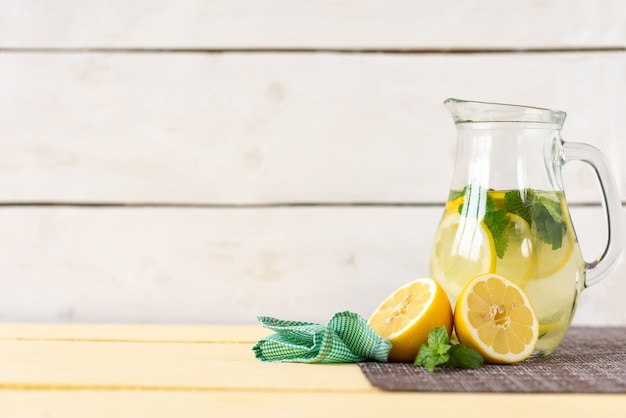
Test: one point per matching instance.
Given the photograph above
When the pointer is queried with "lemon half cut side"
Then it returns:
(494, 316)
(406, 317)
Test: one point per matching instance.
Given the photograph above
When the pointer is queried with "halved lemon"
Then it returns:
(407, 316)
(495, 317)
(519, 262)
(463, 249)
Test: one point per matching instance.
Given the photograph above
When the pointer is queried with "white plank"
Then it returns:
(259, 128)
(312, 24)
(228, 266)
(225, 266)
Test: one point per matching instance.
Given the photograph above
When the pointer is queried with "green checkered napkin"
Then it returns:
(347, 338)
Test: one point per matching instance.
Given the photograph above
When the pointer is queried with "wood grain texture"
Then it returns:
(266, 128)
(243, 404)
(75, 365)
(228, 266)
(378, 24)
(130, 332)
(125, 379)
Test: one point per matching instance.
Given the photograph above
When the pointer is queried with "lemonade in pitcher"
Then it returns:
(524, 235)
(506, 213)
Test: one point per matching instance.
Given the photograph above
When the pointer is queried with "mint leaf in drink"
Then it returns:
(552, 207)
(497, 223)
(495, 219)
(549, 231)
(461, 357)
(440, 352)
(544, 215)
(541, 211)
(514, 203)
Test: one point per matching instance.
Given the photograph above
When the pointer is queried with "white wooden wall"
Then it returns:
(212, 160)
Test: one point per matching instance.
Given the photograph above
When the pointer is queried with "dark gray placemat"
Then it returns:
(589, 360)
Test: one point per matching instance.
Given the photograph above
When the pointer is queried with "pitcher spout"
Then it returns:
(465, 111)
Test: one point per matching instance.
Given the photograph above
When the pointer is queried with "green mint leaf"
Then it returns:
(489, 205)
(552, 207)
(462, 357)
(544, 215)
(438, 351)
(514, 203)
(548, 222)
(554, 234)
(438, 338)
(497, 223)
(427, 358)
(435, 352)
(495, 220)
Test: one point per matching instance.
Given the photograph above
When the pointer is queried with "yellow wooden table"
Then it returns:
(201, 371)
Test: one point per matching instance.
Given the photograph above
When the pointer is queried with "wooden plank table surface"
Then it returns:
(58, 370)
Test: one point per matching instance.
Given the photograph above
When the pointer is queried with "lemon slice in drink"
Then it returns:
(463, 249)
(495, 317)
(519, 262)
(407, 316)
(551, 261)
(452, 206)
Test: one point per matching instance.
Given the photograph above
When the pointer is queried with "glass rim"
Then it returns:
(468, 111)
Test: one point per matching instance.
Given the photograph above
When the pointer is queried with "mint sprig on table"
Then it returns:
(543, 214)
(438, 351)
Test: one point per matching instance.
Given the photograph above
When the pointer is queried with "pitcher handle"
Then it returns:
(611, 202)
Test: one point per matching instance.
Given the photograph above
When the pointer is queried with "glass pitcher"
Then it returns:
(506, 211)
